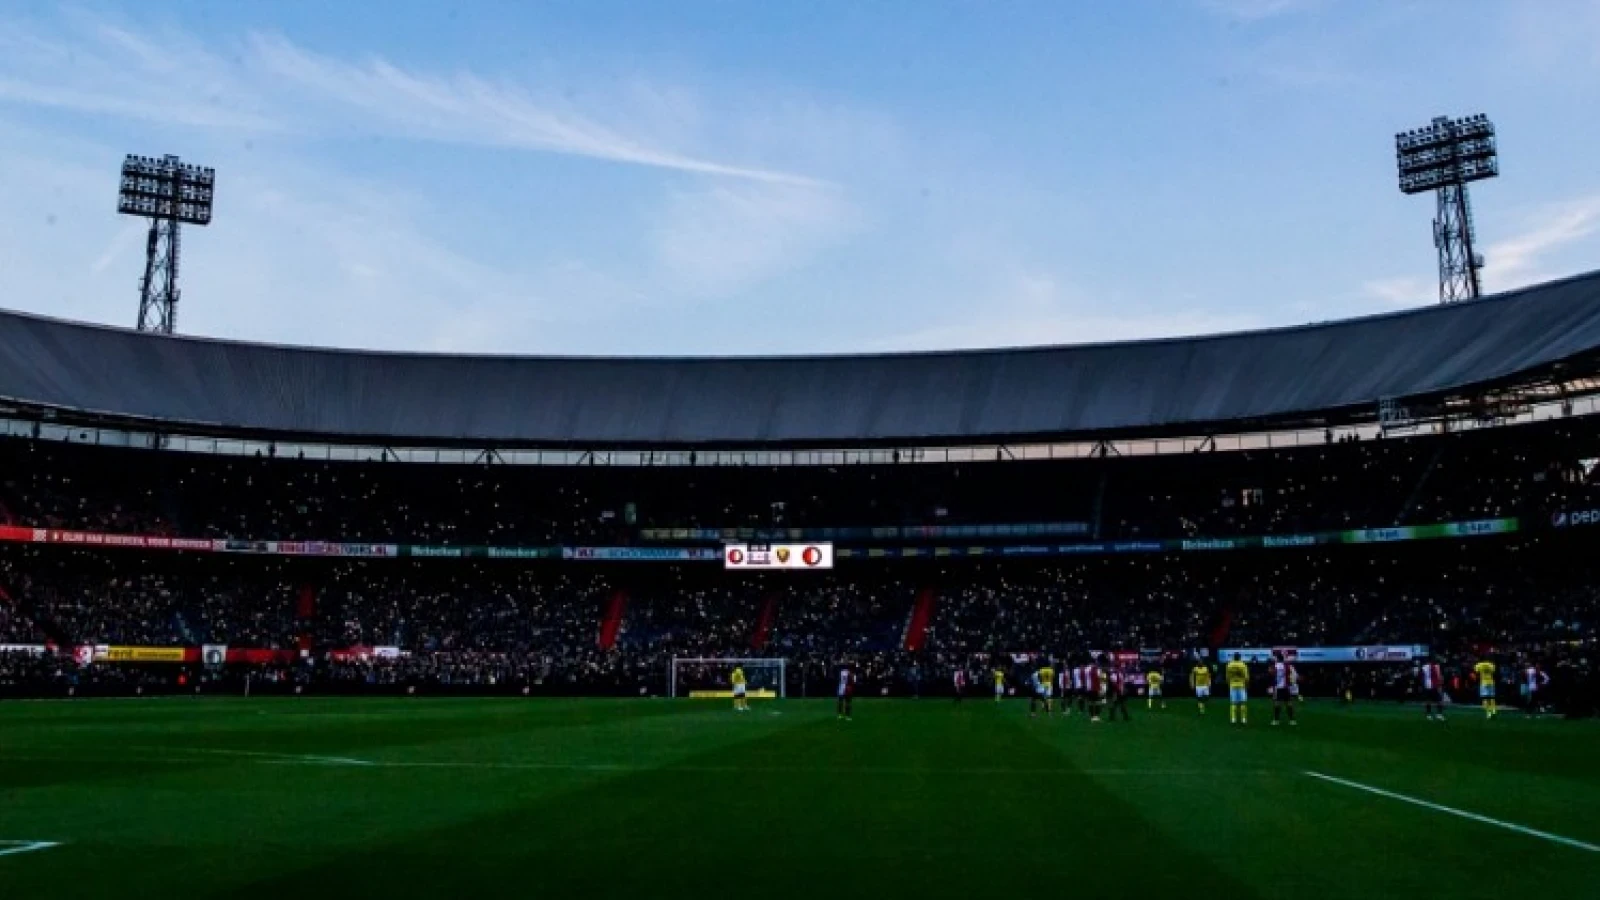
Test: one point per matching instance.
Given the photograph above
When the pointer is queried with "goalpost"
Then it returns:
(704, 678)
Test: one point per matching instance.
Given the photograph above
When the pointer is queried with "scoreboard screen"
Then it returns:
(778, 556)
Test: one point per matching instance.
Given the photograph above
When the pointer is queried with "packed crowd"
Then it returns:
(1527, 470)
(548, 626)
(544, 626)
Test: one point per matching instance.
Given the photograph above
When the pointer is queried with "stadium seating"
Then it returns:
(533, 624)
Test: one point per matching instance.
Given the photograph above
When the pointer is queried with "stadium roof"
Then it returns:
(1194, 385)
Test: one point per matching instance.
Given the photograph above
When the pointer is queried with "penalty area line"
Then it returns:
(11, 848)
(1461, 813)
(302, 758)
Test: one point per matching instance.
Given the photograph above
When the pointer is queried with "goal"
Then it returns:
(703, 678)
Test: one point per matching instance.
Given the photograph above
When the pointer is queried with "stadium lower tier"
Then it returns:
(506, 626)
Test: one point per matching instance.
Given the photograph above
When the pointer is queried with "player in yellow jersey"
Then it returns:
(1154, 680)
(1238, 675)
(1200, 680)
(740, 702)
(1043, 684)
(1485, 671)
(999, 685)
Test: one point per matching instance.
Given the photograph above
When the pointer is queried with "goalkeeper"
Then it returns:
(741, 703)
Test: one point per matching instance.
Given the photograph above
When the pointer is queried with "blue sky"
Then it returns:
(722, 177)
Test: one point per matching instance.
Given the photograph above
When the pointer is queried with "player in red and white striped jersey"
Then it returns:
(960, 684)
(1283, 677)
(1432, 683)
(1117, 695)
(1094, 685)
(847, 691)
(1533, 680)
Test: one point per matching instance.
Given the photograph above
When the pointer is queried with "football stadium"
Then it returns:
(496, 526)
(314, 622)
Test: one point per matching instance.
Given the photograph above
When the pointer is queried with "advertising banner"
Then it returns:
(872, 533)
(323, 548)
(522, 552)
(1471, 529)
(1385, 653)
(136, 541)
(23, 649)
(824, 549)
(475, 552)
(1428, 532)
(147, 654)
(260, 655)
(1254, 654)
(1376, 654)
(641, 554)
(362, 653)
(1378, 535)
(213, 654)
(308, 548)
(752, 694)
(438, 552)
(777, 556)
(1569, 518)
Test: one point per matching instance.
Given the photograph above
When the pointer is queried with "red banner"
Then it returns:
(259, 656)
(18, 533)
(140, 541)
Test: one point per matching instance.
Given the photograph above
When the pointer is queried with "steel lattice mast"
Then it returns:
(1443, 157)
(170, 193)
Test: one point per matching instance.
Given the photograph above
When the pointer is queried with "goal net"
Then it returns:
(704, 678)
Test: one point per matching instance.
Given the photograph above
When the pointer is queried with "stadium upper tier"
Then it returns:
(1195, 384)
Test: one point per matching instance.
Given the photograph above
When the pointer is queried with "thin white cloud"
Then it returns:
(124, 241)
(93, 67)
(1525, 258)
(365, 272)
(1562, 41)
(1081, 326)
(271, 84)
(716, 240)
(1030, 308)
(1256, 10)
(1401, 291)
(59, 224)
(467, 108)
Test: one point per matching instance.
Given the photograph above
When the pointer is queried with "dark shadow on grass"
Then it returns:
(863, 809)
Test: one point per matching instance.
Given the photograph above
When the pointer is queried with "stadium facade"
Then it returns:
(1468, 359)
(1466, 524)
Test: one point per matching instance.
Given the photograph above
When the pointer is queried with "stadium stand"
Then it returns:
(1464, 529)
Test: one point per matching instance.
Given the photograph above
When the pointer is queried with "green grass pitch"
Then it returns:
(661, 799)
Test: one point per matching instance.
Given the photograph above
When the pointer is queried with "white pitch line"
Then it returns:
(279, 757)
(790, 770)
(1450, 810)
(308, 758)
(11, 848)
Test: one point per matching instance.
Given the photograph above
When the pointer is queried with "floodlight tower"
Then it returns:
(169, 193)
(1443, 157)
